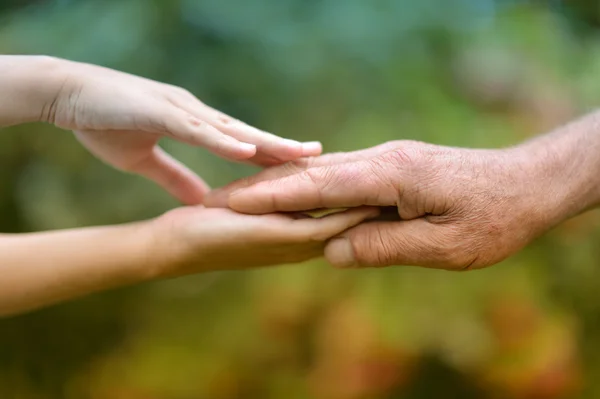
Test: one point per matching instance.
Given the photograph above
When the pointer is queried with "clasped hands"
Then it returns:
(455, 208)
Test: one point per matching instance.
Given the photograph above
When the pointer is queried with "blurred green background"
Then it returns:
(352, 74)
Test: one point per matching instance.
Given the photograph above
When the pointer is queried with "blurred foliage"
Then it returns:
(352, 74)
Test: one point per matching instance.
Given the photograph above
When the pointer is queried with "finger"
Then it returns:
(331, 226)
(336, 186)
(265, 158)
(187, 128)
(219, 198)
(271, 149)
(413, 243)
(173, 176)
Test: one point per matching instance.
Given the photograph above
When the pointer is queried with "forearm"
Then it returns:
(41, 269)
(28, 85)
(566, 168)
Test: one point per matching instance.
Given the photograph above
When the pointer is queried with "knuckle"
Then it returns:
(316, 179)
(295, 166)
(186, 93)
(400, 157)
(381, 173)
(225, 120)
(197, 123)
(181, 92)
(351, 173)
(399, 144)
(219, 145)
(156, 123)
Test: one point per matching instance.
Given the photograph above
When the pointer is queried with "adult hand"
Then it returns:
(459, 209)
(120, 118)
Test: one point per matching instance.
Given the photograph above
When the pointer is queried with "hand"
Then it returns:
(120, 118)
(196, 239)
(460, 209)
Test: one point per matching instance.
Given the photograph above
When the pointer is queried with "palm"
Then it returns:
(124, 150)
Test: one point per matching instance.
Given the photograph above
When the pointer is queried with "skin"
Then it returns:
(120, 118)
(455, 208)
(41, 269)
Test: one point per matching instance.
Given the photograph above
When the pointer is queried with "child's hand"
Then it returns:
(196, 239)
(121, 117)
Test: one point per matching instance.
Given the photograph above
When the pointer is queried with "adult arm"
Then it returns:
(459, 208)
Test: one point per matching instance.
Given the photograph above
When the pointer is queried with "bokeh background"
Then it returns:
(352, 74)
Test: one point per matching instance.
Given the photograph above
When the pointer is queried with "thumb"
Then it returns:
(415, 242)
(173, 176)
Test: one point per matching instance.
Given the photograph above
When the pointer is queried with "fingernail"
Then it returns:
(340, 254)
(312, 147)
(247, 147)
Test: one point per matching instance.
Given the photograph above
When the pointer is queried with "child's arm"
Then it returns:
(41, 269)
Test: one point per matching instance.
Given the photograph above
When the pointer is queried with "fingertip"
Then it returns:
(340, 253)
(231, 148)
(291, 143)
(178, 180)
(190, 190)
(281, 150)
(312, 149)
(289, 149)
(249, 149)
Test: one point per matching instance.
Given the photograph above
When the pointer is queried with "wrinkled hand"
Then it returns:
(196, 239)
(120, 118)
(458, 209)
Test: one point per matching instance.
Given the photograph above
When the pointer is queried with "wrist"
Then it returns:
(51, 82)
(562, 170)
(173, 250)
(31, 86)
(147, 251)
